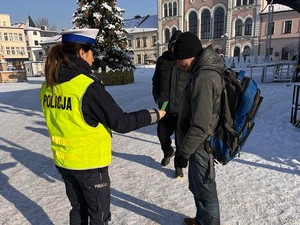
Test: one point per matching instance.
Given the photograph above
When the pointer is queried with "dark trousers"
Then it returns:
(165, 129)
(204, 189)
(89, 194)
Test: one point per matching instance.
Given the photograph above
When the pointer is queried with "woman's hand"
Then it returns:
(162, 113)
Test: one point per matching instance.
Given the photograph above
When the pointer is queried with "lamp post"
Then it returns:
(22, 61)
(225, 37)
(158, 44)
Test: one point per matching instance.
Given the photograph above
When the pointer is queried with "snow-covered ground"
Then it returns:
(262, 187)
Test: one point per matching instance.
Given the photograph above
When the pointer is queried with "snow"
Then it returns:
(261, 187)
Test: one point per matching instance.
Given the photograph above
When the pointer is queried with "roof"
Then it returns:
(30, 23)
(277, 8)
(146, 23)
(294, 4)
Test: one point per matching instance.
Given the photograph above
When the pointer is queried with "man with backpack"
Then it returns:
(167, 85)
(198, 118)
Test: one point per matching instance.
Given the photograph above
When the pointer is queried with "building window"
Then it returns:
(10, 37)
(251, 2)
(245, 2)
(15, 37)
(205, 24)
(153, 40)
(144, 42)
(166, 10)
(0, 36)
(167, 35)
(248, 26)
(173, 30)
(7, 51)
(247, 51)
(138, 42)
(20, 37)
(238, 2)
(139, 59)
(13, 52)
(170, 9)
(270, 51)
(219, 23)
(18, 50)
(193, 23)
(175, 9)
(34, 33)
(5, 37)
(36, 43)
(284, 53)
(288, 26)
(238, 27)
(236, 51)
(270, 28)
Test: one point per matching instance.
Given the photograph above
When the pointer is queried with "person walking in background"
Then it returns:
(168, 83)
(198, 118)
(80, 115)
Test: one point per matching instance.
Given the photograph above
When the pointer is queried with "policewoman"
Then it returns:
(80, 115)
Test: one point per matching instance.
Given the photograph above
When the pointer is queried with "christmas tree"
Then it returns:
(112, 37)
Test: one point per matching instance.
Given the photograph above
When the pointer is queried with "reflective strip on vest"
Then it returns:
(75, 144)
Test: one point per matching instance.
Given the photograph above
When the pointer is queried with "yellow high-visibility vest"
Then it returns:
(75, 144)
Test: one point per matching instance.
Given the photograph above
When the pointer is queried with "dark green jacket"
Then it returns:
(198, 116)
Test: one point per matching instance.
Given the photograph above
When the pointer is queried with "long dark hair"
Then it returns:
(58, 57)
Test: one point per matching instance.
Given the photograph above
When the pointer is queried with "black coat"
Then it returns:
(98, 106)
(201, 100)
(168, 82)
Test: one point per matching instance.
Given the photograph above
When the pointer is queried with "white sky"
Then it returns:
(262, 187)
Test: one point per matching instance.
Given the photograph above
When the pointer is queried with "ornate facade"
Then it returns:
(235, 27)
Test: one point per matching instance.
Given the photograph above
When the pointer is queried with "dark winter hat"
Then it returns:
(187, 46)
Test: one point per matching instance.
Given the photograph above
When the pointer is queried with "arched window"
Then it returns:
(170, 9)
(165, 10)
(193, 23)
(236, 51)
(248, 26)
(238, 27)
(174, 8)
(205, 24)
(173, 30)
(219, 22)
(246, 51)
(167, 35)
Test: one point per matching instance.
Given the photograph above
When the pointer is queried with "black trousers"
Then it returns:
(165, 129)
(89, 194)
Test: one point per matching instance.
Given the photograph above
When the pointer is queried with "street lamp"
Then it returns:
(22, 61)
(158, 44)
(225, 37)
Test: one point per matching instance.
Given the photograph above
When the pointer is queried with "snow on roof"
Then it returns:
(146, 23)
(49, 40)
(277, 8)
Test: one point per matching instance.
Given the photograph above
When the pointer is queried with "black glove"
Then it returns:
(181, 162)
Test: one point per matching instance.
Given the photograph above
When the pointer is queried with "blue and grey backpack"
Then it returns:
(240, 102)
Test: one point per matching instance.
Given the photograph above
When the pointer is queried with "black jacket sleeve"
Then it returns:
(156, 80)
(98, 106)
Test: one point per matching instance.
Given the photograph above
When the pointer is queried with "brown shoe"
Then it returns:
(189, 221)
